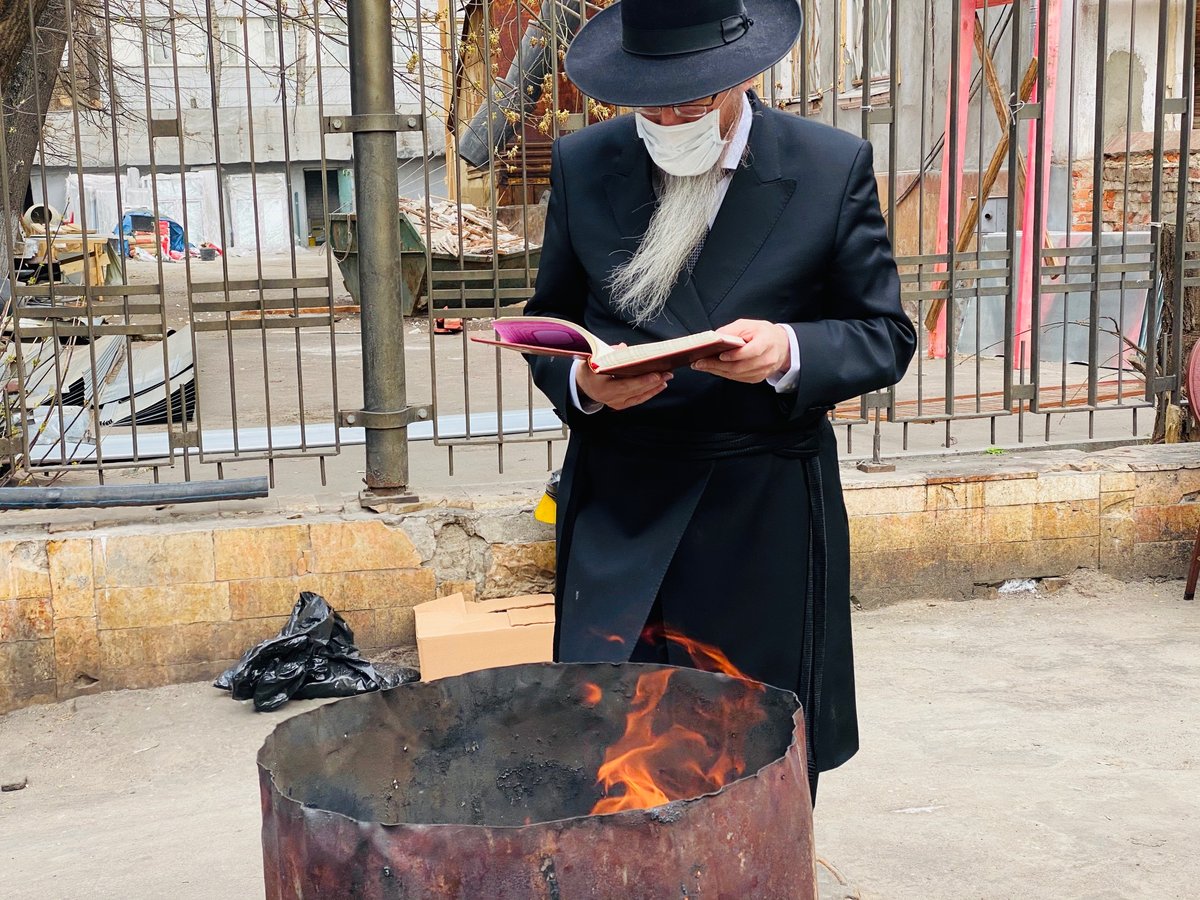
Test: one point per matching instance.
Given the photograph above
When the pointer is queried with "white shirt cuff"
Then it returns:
(786, 382)
(592, 406)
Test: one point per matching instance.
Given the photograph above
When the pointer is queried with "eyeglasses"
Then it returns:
(695, 109)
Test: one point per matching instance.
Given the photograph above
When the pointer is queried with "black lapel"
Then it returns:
(631, 195)
(753, 204)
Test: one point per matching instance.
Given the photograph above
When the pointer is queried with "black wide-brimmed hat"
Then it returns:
(665, 52)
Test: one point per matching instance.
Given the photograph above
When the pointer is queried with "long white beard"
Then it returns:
(640, 285)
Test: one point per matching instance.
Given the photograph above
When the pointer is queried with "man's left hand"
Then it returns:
(767, 352)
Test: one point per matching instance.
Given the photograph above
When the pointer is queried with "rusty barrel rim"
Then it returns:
(794, 748)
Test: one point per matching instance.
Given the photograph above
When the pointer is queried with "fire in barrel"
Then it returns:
(544, 781)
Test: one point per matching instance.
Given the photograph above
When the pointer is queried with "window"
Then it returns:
(875, 44)
(158, 38)
(230, 34)
(335, 49)
(270, 41)
(807, 64)
(820, 65)
(187, 47)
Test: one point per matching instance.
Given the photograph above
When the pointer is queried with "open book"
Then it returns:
(546, 336)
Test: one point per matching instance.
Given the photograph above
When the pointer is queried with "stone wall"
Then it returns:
(1122, 210)
(141, 605)
(135, 606)
(1131, 513)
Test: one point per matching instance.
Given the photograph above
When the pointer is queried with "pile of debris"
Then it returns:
(65, 393)
(480, 236)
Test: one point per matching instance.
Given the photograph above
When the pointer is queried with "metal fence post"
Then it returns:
(374, 123)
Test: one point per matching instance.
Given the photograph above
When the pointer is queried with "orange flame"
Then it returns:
(592, 693)
(658, 760)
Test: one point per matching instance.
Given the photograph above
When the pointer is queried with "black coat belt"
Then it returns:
(802, 442)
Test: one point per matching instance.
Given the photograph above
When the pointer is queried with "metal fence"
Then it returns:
(207, 271)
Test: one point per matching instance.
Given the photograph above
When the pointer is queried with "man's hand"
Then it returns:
(620, 393)
(767, 351)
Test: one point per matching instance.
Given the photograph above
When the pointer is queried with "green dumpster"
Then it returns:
(414, 289)
(343, 241)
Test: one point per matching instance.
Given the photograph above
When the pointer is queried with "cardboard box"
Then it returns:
(454, 636)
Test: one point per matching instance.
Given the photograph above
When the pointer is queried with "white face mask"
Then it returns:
(688, 148)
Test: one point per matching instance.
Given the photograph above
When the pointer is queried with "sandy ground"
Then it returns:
(1017, 747)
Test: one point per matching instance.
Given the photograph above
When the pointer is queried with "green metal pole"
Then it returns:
(376, 190)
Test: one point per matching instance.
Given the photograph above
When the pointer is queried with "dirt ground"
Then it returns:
(1025, 746)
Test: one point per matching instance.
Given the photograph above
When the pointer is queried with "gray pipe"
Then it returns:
(521, 88)
(109, 496)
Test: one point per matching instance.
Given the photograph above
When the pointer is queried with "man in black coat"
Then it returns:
(707, 502)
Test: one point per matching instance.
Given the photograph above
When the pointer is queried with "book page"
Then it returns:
(544, 331)
(626, 355)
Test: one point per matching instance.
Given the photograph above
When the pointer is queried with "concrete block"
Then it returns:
(171, 604)
(138, 679)
(996, 562)
(1063, 556)
(24, 570)
(382, 629)
(950, 526)
(1004, 524)
(158, 645)
(873, 501)
(18, 696)
(1162, 559)
(76, 656)
(984, 563)
(71, 579)
(362, 623)
(25, 620)
(27, 662)
(887, 576)
(267, 552)
(898, 531)
(360, 544)
(954, 495)
(1117, 504)
(145, 560)
(522, 569)
(1117, 540)
(1059, 487)
(258, 597)
(1010, 491)
(382, 589)
(198, 671)
(466, 588)
(394, 628)
(1167, 488)
(230, 640)
(1117, 481)
(1166, 523)
(1066, 519)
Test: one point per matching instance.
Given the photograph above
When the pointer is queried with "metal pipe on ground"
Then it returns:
(112, 496)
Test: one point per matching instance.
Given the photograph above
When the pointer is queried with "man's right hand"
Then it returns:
(619, 393)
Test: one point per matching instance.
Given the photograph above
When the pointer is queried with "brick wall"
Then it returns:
(1130, 211)
(139, 606)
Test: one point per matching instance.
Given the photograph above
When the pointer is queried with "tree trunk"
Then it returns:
(28, 74)
(1173, 424)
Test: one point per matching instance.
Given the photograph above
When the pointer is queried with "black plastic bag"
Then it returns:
(313, 656)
